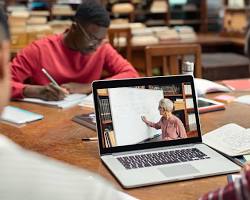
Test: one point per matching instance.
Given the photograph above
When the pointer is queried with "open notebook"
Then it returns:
(69, 101)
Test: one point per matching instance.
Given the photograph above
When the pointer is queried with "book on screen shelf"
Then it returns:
(109, 138)
(230, 139)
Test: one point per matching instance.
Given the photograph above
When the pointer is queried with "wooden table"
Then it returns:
(58, 137)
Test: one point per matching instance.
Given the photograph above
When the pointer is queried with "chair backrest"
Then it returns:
(120, 38)
(172, 58)
(124, 9)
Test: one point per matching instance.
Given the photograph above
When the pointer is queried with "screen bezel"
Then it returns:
(160, 80)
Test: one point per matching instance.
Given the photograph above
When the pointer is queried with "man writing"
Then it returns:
(74, 59)
(27, 175)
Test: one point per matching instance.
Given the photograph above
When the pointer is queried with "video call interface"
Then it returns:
(145, 114)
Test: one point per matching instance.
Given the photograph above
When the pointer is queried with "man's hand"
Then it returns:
(77, 88)
(144, 119)
(48, 92)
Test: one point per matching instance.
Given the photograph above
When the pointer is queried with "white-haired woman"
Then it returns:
(171, 126)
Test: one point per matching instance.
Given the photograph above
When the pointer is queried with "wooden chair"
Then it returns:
(172, 57)
(227, 65)
(115, 34)
(124, 9)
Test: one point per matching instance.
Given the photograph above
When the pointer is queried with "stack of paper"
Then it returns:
(88, 101)
(69, 101)
(231, 139)
(243, 99)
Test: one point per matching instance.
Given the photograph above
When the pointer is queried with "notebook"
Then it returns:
(69, 101)
(18, 116)
(238, 84)
(161, 150)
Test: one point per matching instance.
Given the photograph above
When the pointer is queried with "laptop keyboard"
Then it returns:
(161, 158)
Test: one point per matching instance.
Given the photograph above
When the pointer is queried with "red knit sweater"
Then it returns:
(65, 65)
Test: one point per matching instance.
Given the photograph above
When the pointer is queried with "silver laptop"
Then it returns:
(149, 131)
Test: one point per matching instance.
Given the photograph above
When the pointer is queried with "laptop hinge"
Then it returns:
(153, 149)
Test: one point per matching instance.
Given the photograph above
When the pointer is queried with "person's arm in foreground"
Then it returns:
(237, 190)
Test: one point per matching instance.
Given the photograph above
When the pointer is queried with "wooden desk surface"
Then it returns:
(58, 137)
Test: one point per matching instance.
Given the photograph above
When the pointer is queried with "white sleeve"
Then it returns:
(26, 175)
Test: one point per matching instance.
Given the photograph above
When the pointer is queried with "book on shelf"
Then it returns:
(87, 120)
(109, 137)
(230, 139)
(105, 110)
(159, 7)
(192, 122)
(18, 117)
(179, 104)
(236, 4)
(36, 20)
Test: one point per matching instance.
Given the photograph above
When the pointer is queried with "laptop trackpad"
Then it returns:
(178, 170)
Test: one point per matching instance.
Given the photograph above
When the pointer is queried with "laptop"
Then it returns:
(149, 131)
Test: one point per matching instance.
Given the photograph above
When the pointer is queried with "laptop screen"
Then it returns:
(146, 113)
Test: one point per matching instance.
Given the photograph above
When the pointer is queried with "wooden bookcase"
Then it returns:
(194, 13)
(236, 18)
(181, 95)
(50, 6)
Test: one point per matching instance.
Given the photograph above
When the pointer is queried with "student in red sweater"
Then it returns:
(74, 59)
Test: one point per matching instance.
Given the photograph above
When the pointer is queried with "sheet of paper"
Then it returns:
(125, 196)
(69, 101)
(204, 86)
(243, 99)
(88, 101)
(230, 139)
(247, 157)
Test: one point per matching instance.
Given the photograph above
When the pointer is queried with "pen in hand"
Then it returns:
(54, 82)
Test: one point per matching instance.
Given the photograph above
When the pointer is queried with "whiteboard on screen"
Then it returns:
(127, 106)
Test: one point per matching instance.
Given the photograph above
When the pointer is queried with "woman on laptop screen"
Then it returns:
(171, 126)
